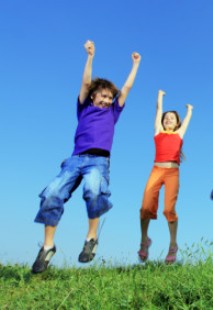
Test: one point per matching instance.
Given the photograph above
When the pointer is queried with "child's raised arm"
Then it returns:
(136, 57)
(87, 75)
(186, 120)
(159, 111)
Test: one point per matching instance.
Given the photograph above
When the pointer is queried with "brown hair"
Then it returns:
(98, 84)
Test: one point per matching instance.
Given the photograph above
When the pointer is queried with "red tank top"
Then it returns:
(168, 147)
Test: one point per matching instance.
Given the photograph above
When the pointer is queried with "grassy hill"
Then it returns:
(153, 285)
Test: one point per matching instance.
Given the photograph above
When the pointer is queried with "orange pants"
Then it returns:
(169, 177)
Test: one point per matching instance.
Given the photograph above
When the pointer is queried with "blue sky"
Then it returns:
(41, 64)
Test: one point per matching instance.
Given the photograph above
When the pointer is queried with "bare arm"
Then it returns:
(87, 75)
(186, 120)
(130, 79)
(159, 111)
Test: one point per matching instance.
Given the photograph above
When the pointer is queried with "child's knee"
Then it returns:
(50, 212)
(149, 207)
(97, 201)
(92, 194)
(147, 213)
(95, 187)
(51, 202)
(170, 215)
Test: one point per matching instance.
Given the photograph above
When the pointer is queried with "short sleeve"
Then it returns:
(81, 106)
(117, 110)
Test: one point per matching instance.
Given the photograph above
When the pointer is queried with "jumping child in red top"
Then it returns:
(168, 138)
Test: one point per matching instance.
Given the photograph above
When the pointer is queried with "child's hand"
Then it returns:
(136, 57)
(189, 106)
(161, 92)
(90, 47)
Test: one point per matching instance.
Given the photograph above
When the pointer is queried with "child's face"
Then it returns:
(169, 121)
(102, 98)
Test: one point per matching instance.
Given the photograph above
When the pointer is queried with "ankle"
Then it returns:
(144, 239)
(89, 237)
(173, 245)
(48, 247)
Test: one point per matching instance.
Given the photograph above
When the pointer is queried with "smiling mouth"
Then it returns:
(104, 104)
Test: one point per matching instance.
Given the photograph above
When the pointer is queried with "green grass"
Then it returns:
(153, 285)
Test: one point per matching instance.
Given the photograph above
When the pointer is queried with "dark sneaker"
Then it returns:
(89, 251)
(43, 259)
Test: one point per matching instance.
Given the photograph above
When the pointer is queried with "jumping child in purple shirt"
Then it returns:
(98, 108)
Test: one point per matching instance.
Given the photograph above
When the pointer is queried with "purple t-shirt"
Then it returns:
(95, 126)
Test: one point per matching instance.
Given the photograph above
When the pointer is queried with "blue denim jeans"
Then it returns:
(94, 170)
